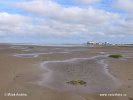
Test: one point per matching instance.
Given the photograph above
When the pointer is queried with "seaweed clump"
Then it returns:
(115, 56)
(77, 82)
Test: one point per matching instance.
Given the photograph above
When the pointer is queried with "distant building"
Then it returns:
(92, 43)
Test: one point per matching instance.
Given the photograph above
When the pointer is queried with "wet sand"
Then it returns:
(21, 74)
(91, 70)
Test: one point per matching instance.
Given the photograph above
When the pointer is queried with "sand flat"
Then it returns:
(17, 73)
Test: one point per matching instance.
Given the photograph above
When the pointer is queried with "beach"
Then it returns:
(37, 72)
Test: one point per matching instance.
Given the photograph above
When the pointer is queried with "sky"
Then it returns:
(66, 21)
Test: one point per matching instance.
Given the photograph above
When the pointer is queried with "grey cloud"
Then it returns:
(126, 5)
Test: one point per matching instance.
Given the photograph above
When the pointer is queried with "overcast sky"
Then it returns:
(66, 21)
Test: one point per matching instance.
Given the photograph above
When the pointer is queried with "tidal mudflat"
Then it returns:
(65, 72)
(93, 71)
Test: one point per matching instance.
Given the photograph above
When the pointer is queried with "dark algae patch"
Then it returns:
(115, 56)
(77, 82)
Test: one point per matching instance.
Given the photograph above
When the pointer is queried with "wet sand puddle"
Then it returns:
(33, 55)
(91, 70)
(26, 55)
